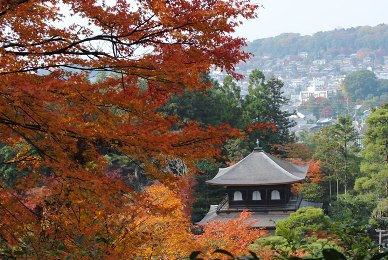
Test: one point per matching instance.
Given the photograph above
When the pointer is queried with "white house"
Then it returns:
(312, 92)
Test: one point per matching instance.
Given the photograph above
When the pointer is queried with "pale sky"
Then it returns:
(311, 16)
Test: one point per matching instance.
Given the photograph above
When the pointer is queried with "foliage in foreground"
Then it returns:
(72, 204)
(233, 235)
(308, 231)
(327, 254)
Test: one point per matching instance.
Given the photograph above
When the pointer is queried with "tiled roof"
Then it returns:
(260, 168)
(258, 219)
(267, 219)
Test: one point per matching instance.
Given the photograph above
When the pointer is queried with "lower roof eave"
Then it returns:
(253, 184)
(264, 220)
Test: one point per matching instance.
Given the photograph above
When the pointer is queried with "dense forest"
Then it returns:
(324, 44)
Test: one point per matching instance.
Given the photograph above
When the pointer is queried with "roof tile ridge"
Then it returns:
(282, 169)
(227, 169)
(242, 159)
(296, 166)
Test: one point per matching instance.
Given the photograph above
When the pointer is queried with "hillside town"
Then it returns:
(304, 76)
(308, 77)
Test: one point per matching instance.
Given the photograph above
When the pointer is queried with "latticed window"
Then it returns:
(275, 195)
(256, 195)
(237, 195)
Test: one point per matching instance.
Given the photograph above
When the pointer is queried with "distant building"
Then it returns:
(312, 91)
(303, 54)
(321, 123)
(261, 184)
(319, 62)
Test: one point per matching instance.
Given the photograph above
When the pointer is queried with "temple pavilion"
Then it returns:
(259, 183)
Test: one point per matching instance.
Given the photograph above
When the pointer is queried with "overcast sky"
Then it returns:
(311, 16)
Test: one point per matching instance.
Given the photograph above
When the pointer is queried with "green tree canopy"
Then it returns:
(361, 84)
(301, 225)
(374, 163)
(337, 148)
(263, 104)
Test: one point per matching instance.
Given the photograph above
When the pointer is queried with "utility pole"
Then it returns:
(380, 231)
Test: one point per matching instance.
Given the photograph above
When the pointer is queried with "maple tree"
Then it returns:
(232, 235)
(294, 151)
(157, 229)
(64, 123)
(314, 176)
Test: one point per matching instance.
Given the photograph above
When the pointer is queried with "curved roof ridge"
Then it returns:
(260, 168)
(222, 171)
(302, 169)
(281, 168)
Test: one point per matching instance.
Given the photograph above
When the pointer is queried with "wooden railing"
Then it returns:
(298, 202)
(290, 206)
(223, 202)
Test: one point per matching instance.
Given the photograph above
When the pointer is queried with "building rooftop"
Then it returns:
(259, 168)
(266, 219)
(257, 219)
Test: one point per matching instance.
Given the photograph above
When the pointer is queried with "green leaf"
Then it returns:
(380, 256)
(254, 256)
(18, 252)
(332, 254)
(193, 255)
(102, 240)
(80, 240)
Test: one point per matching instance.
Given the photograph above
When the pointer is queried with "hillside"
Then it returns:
(322, 44)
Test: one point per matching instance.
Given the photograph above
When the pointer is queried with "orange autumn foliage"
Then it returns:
(66, 119)
(233, 235)
(314, 175)
(74, 223)
(158, 227)
(294, 150)
(67, 206)
(269, 127)
(67, 217)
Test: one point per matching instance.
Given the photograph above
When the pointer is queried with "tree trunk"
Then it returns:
(330, 191)
(346, 167)
(337, 187)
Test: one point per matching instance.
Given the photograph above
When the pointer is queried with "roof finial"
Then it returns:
(258, 148)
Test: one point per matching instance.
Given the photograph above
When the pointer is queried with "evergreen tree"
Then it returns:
(337, 149)
(7, 167)
(345, 136)
(10, 160)
(375, 154)
(360, 84)
(232, 103)
(325, 151)
(263, 104)
(220, 104)
(204, 195)
(374, 165)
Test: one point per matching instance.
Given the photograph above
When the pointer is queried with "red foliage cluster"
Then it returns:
(68, 205)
